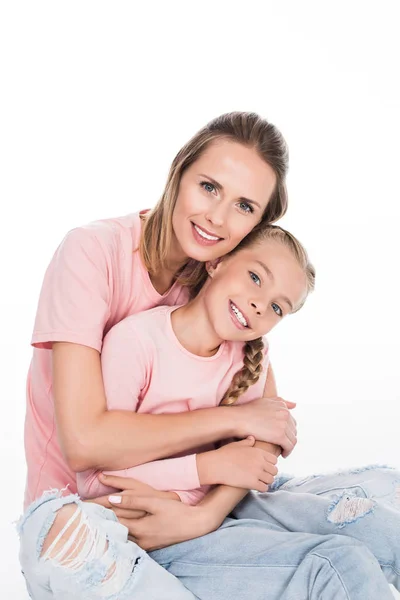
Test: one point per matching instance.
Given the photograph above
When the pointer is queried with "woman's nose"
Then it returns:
(217, 214)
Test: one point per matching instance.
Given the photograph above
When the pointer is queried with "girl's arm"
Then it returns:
(220, 501)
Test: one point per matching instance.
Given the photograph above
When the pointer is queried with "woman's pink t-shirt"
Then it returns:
(147, 370)
(95, 279)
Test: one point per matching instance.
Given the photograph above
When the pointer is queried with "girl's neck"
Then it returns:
(193, 329)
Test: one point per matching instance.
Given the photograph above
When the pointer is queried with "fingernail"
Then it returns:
(115, 499)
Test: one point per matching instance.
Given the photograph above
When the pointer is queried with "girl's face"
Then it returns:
(222, 196)
(250, 292)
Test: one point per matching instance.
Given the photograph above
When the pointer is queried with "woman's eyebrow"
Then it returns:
(270, 275)
(220, 187)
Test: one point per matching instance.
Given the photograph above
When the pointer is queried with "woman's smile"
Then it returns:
(204, 237)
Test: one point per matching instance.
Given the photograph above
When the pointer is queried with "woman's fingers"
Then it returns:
(123, 513)
(137, 503)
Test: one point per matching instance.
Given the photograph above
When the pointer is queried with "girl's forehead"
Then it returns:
(264, 248)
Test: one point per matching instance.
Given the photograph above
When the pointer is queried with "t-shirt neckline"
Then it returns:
(173, 337)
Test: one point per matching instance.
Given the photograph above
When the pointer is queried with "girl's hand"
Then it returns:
(131, 488)
(238, 464)
(268, 420)
(166, 522)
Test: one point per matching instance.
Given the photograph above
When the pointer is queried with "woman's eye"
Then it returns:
(209, 187)
(246, 207)
(255, 278)
(277, 309)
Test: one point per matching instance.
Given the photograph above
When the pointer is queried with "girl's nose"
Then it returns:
(258, 307)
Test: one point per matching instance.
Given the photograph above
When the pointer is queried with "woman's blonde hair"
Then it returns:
(253, 350)
(246, 128)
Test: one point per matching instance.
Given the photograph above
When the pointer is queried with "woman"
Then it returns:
(228, 178)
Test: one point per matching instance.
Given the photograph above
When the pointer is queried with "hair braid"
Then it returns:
(248, 374)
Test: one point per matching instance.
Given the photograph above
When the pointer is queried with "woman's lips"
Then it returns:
(201, 239)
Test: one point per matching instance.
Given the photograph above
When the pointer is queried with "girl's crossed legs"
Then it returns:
(308, 538)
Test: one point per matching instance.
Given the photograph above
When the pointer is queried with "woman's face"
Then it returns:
(253, 290)
(222, 196)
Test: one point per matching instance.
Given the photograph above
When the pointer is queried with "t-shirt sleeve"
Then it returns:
(167, 474)
(74, 303)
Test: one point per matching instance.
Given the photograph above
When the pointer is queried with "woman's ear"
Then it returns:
(211, 266)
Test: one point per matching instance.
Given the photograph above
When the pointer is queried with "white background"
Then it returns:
(98, 97)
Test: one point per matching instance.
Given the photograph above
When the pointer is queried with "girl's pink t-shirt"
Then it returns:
(147, 370)
(95, 279)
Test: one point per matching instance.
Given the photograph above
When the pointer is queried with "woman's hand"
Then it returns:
(238, 464)
(268, 420)
(132, 488)
(155, 519)
(166, 521)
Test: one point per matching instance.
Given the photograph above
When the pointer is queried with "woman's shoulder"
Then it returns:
(109, 232)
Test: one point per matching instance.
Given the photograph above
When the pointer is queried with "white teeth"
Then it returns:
(205, 235)
(239, 315)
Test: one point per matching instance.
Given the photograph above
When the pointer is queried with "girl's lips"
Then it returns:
(202, 240)
(235, 319)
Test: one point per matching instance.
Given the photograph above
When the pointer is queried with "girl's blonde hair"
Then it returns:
(246, 128)
(253, 350)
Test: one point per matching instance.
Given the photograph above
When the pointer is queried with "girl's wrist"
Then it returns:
(206, 464)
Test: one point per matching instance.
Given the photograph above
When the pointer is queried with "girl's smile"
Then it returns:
(238, 318)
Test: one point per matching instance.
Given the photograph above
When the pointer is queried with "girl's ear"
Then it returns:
(211, 266)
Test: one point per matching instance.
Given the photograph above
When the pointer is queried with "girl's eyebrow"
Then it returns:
(270, 275)
(220, 187)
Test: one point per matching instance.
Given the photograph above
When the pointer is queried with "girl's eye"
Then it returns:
(255, 278)
(277, 309)
(246, 207)
(209, 187)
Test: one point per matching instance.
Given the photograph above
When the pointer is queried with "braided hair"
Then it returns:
(249, 374)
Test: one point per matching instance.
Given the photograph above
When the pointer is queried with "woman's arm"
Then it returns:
(158, 528)
(92, 437)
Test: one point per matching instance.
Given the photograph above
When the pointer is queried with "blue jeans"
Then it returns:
(323, 537)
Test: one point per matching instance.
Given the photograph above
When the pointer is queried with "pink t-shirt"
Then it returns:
(147, 370)
(95, 279)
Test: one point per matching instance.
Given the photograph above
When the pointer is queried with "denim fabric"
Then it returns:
(120, 571)
(323, 537)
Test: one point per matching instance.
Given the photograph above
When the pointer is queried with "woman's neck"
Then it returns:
(193, 329)
(164, 279)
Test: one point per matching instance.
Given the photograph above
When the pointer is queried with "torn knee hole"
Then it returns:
(72, 540)
(348, 509)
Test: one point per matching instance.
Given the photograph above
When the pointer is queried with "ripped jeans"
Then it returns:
(329, 537)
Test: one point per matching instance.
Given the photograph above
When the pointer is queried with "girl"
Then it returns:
(267, 277)
(191, 353)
